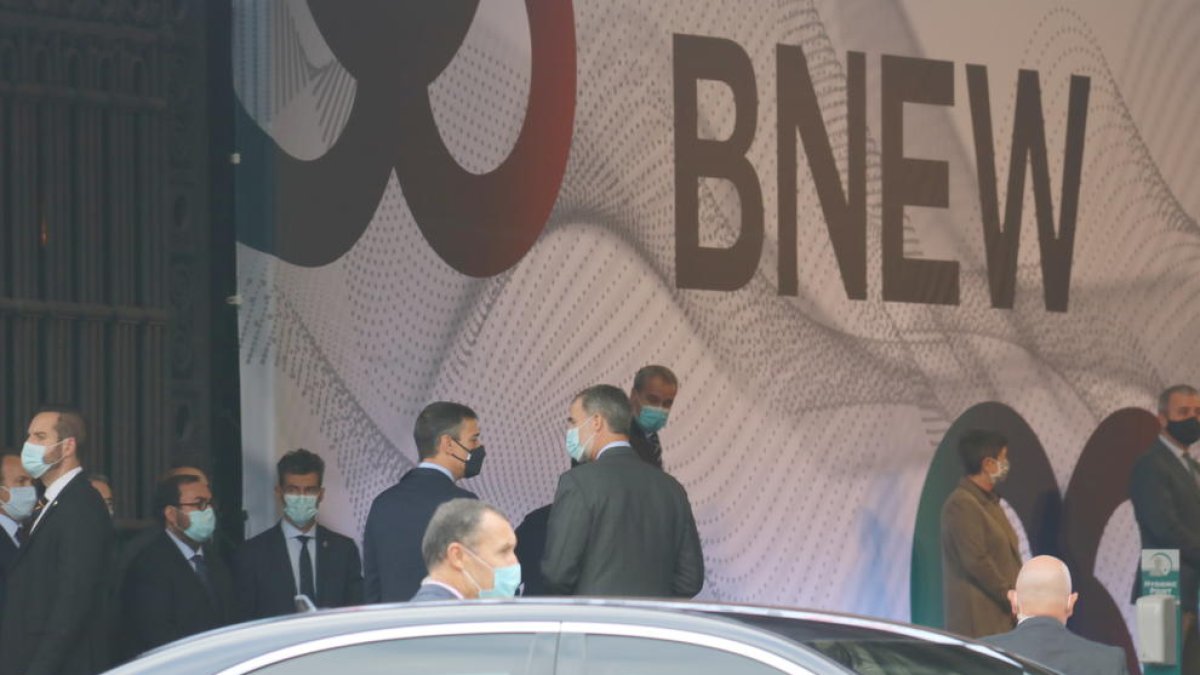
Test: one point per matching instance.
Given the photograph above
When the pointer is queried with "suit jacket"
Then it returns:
(1048, 642)
(980, 561)
(392, 560)
(620, 526)
(647, 446)
(266, 585)
(531, 546)
(56, 609)
(163, 598)
(1166, 504)
(432, 592)
(8, 553)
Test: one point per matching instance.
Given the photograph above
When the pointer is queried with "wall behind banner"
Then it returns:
(376, 275)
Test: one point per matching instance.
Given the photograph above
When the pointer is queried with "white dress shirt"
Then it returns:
(186, 550)
(290, 532)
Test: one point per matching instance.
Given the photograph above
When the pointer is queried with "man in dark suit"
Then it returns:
(447, 439)
(1043, 601)
(618, 526)
(1166, 503)
(653, 394)
(174, 587)
(470, 551)
(18, 496)
(297, 556)
(55, 614)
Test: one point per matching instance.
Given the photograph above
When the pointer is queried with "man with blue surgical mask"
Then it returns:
(469, 549)
(297, 556)
(650, 400)
(18, 496)
(55, 618)
(175, 587)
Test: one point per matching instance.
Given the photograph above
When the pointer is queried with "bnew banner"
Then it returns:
(854, 229)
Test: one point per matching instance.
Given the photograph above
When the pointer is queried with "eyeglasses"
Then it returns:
(199, 504)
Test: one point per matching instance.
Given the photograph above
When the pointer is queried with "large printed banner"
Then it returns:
(854, 228)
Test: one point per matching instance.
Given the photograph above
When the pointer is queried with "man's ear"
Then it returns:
(1014, 603)
(455, 555)
(278, 492)
(1071, 599)
(321, 495)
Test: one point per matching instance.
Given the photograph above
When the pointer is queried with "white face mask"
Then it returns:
(21, 501)
(33, 458)
(1001, 471)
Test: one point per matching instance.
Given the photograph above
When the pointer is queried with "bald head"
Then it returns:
(1043, 589)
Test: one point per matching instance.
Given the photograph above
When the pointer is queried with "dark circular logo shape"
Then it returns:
(311, 212)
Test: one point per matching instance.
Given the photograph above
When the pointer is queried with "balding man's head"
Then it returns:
(1043, 589)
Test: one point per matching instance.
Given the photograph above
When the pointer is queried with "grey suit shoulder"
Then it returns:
(433, 592)
(1048, 642)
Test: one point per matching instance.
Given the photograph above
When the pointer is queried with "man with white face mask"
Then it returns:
(175, 587)
(619, 525)
(651, 399)
(980, 552)
(298, 556)
(17, 499)
(469, 550)
(55, 618)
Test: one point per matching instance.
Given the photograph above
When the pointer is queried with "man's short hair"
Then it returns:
(168, 490)
(99, 478)
(70, 424)
(647, 373)
(301, 462)
(1164, 399)
(437, 419)
(977, 445)
(5, 452)
(457, 520)
(190, 459)
(609, 403)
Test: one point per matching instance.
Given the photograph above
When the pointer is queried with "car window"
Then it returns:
(911, 657)
(495, 654)
(612, 655)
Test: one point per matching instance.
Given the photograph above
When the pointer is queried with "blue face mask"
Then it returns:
(33, 458)
(651, 418)
(201, 525)
(300, 509)
(576, 449)
(21, 501)
(505, 580)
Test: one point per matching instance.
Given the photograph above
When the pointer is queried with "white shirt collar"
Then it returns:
(184, 548)
(428, 581)
(614, 444)
(10, 526)
(439, 467)
(54, 489)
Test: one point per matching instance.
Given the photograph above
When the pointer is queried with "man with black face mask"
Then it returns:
(448, 445)
(1166, 502)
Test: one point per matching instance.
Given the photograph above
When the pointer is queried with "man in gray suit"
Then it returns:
(470, 551)
(619, 526)
(1042, 602)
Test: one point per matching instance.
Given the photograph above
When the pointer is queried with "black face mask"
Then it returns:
(1185, 431)
(474, 460)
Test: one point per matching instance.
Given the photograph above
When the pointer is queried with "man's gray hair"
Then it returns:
(1164, 399)
(454, 521)
(610, 403)
(647, 373)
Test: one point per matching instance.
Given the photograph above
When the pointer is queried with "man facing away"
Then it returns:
(55, 614)
(469, 550)
(447, 439)
(618, 526)
(298, 556)
(980, 552)
(1042, 602)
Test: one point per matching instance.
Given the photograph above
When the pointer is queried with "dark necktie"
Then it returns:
(27, 529)
(1191, 465)
(201, 566)
(306, 571)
